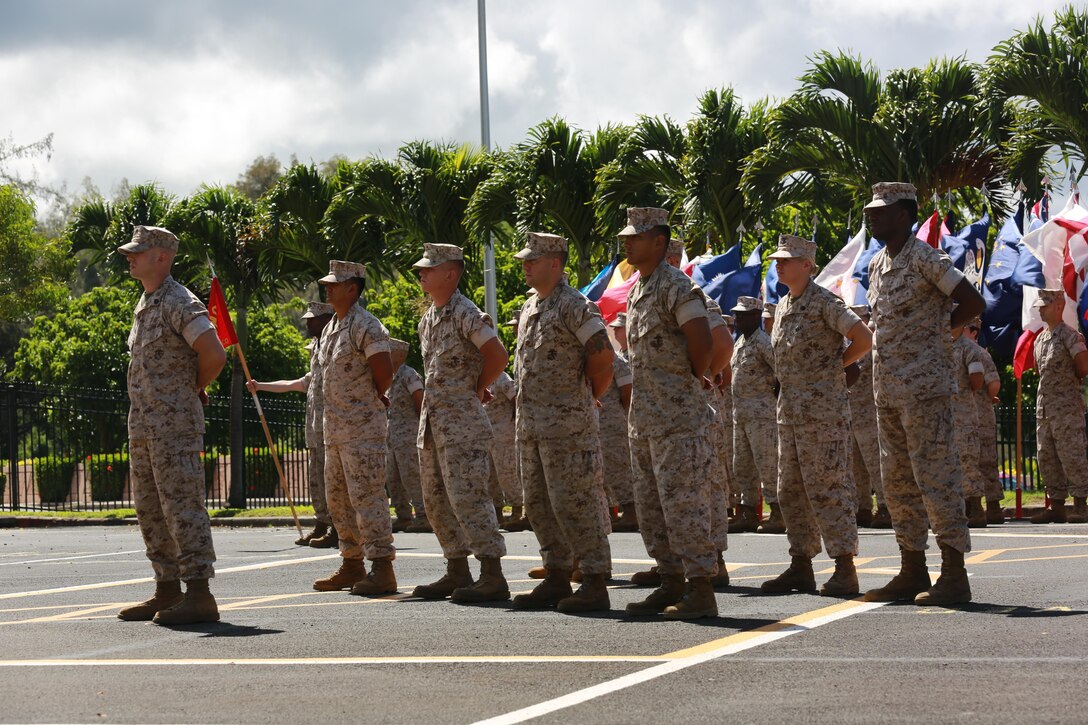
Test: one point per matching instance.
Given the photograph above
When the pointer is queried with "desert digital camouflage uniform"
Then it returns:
(356, 426)
(1059, 413)
(865, 444)
(919, 465)
(755, 429)
(557, 443)
(987, 423)
(815, 489)
(966, 361)
(720, 435)
(615, 445)
(504, 483)
(165, 430)
(402, 457)
(669, 426)
(454, 432)
(315, 438)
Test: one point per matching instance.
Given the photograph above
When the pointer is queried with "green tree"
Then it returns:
(11, 151)
(846, 129)
(260, 176)
(1037, 86)
(34, 270)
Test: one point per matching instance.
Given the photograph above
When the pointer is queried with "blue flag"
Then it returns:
(727, 288)
(861, 269)
(725, 263)
(596, 288)
(773, 290)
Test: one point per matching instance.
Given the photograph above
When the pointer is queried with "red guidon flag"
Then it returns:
(220, 315)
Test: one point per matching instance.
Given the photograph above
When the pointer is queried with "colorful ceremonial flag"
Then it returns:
(861, 270)
(594, 289)
(1002, 291)
(837, 276)
(614, 299)
(703, 272)
(725, 289)
(932, 230)
(219, 314)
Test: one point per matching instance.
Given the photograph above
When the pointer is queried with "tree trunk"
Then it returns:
(237, 498)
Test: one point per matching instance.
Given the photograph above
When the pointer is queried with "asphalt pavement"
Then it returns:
(285, 653)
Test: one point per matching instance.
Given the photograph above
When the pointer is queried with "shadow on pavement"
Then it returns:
(223, 629)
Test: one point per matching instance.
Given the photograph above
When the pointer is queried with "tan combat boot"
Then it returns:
(329, 540)
(799, 577)
(350, 571)
(698, 601)
(1079, 514)
(994, 513)
(548, 593)
(670, 592)
(627, 520)
(721, 579)
(952, 586)
(1053, 515)
(745, 522)
(844, 582)
(651, 578)
(538, 572)
(320, 530)
(457, 575)
(197, 607)
(592, 596)
(517, 520)
(380, 580)
(976, 515)
(774, 524)
(167, 594)
(490, 587)
(883, 519)
(912, 579)
(420, 525)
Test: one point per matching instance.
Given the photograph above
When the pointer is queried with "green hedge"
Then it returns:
(107, 472)
(260, 470)
(54, 477)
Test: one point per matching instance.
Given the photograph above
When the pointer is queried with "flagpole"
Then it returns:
(268, 437)
(1019, 450)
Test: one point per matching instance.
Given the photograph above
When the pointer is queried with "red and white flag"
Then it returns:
(219, 314)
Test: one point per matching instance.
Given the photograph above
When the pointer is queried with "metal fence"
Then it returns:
(66, 448)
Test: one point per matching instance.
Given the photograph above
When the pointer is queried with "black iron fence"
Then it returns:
(66, 448)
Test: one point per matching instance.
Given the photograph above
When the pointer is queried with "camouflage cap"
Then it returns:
(887, 193)
(436, 254)
(537, 244)
(728, 319)
(620, 321)
(768, 310)
(1046, 296)
(341, 271)
(515, 319)
(145, 238)
(398, 347)
(642, 219)
(317, 309)
(747, 304)
(675, 248)
(793, 247)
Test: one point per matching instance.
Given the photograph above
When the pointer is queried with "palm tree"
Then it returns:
(98, 226)
(1037, 86)
(846, 129)
(548, 182)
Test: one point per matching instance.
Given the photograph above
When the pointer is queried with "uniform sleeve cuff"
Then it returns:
(690, 310)
(976, 367)
(1078, 348)
(414, 385)
(196, 328)
(590, 328)
(624, 380)
(375, 347)
(482, 336)
(950, 281)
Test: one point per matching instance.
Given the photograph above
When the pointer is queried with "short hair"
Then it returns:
(561, 256)
(360, 284)
(664, 230)
(911, 207)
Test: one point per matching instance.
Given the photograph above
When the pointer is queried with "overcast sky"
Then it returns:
(189, 92)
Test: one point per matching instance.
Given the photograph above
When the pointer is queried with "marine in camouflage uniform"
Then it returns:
(815, 488)
(402, 456)
(669, 422)
(911, 289)
(615, 445)
(967, 370)
(174, 350)
(1061, 359)
(987, 421)
(562, 342)
(504, 482)
(353, 354)
(459, 343)
(864, 442)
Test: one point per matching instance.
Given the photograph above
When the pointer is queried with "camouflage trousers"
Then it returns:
(618, 481)
(920, 468)
(315, 482)
(565, 502)
(987, 462)
(967, 438)
(505, 482)
(1062, 461)
(673, 501)
(755, 460)
(402, 479)
(865, 464)
(816, 491)
(459, 506)
(168, 488)
(721, 481)
(355, 489)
